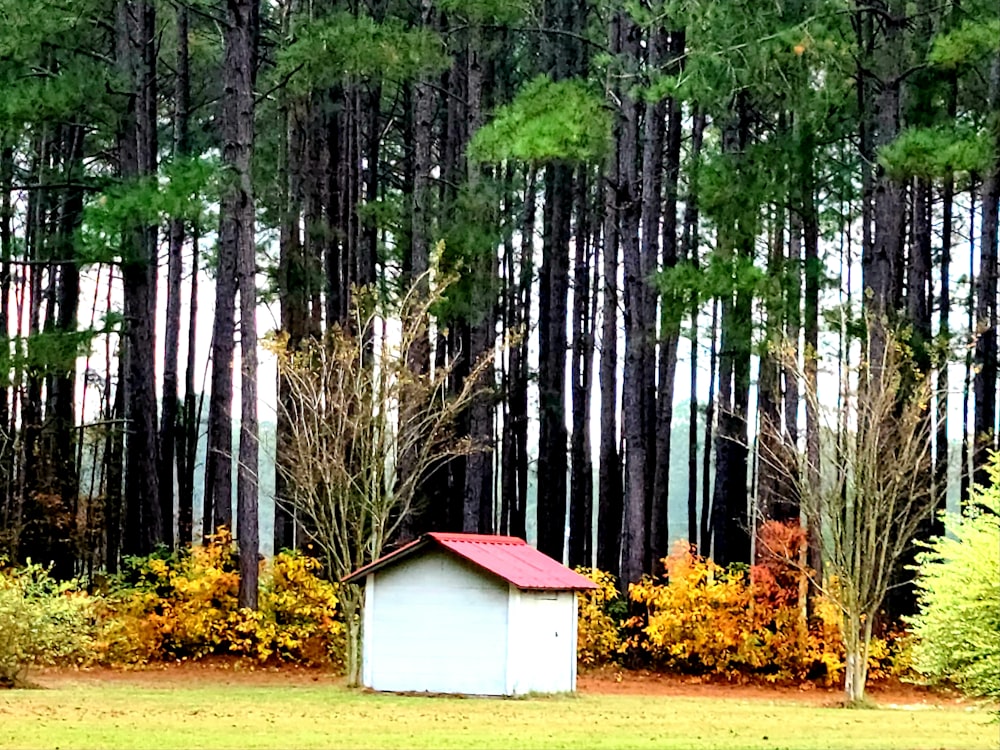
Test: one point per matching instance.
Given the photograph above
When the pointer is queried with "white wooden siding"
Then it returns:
(435, 624)
(542, 641)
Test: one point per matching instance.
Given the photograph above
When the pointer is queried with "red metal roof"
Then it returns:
(506, 557)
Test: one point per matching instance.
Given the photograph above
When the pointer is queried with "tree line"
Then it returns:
(631, 198)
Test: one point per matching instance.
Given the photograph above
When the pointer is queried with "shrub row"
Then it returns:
(735, 623)
(171, 607)
(698, 618)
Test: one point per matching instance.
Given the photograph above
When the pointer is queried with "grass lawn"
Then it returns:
(122, 715)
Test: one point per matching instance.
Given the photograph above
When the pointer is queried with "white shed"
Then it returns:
(469, 613)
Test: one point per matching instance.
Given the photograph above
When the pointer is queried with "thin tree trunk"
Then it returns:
(985, 381)
(582, 475)
(175, 264)
(690, 243)
(707, 539)
(609, 513)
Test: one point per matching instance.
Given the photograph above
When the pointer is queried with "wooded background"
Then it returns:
(654, 195)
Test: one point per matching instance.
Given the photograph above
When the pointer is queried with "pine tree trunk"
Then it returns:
(144, 523)
(637, 331)
(610, 491)
(985, 382)
(175, 267)
(6, 250)
(236, 237)
(581, 492)
(690, 244)
(731, 528)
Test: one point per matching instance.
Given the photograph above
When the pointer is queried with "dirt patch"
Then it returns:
(641, 682)
(608, 681)
(187, 674)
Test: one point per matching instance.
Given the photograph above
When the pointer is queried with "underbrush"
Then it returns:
(738, 623)
(170, 607)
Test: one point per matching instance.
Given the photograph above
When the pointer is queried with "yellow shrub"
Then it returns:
(186, 607)
(598, 640)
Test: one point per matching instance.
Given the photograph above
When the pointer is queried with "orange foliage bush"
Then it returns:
(743, 623)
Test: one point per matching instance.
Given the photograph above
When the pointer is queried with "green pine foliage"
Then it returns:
(958, 577)
(547, 121)
(968, 44)
(937, 152)
(341, 46)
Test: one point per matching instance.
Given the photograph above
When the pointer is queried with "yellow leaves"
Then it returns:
(186, 607)
(598, 639)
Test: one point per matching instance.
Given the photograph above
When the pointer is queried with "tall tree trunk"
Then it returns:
(144, 523)
(654, 132)
(730, 522)
(187, 434)
(638, 331)
(609, 479)
(882, 261)
(236, 237)
(690, 244)
(7, 533)
(965, 475)
(175, 267)
(985, 383)
(582, 471)
(478, 505)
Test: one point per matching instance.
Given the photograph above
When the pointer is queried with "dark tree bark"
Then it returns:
(638, 331)
(985, 382)
(519, 372)
(236, 237)
(690, 243)
(706, 548)
(882, 260)
(478, 504)
(7, 500)
(175, 267)
(730, 522)
(609, 479)
(144, 523)
(670, 320)
(187, 432)
(563, 58)
(582, 471)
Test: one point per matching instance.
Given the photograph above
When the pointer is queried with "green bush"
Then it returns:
(958, 580)
(42, 621)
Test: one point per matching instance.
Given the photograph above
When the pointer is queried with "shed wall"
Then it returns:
(435, 624)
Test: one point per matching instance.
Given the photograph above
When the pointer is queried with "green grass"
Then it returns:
(326, 716)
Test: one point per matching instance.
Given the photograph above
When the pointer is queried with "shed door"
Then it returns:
(548, 641)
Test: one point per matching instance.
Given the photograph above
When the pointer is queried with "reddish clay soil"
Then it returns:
(642, 682)
(607, 681)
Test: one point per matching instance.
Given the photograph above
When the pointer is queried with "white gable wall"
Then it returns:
(542, 641)
(434, 623)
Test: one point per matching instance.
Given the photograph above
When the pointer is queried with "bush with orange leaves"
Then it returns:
(742, 623)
